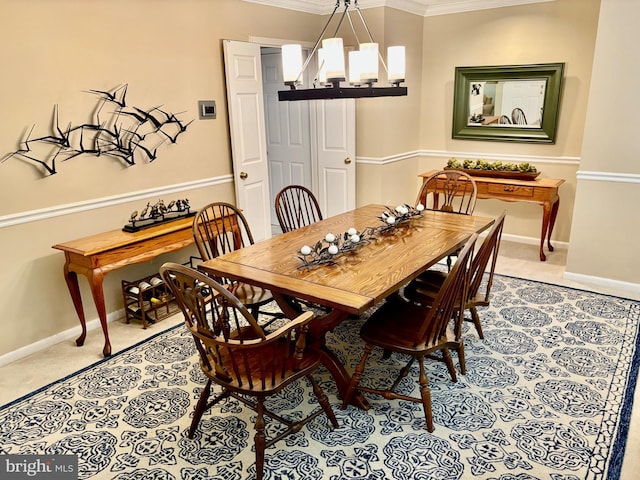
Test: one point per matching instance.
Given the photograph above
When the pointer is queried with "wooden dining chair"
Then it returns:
(518, 117)
(418, 331)
(424, 289)
(296, 206)
(449, 191)
(219, 228)
(504, 120)
(240, 358)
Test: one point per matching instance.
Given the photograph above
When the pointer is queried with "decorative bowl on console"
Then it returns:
(498, 169)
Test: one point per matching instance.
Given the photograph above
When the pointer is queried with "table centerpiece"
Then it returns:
(497, 169)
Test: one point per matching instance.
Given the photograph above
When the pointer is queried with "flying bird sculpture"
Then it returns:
(129, 129)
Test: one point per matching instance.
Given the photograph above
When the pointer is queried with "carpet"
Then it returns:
(547, 395)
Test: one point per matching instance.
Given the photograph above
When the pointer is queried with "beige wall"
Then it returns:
(560, 31)
(388, 126)
(56, 50)
(606, 222)
(170, 54)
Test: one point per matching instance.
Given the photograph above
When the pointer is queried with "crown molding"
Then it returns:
(445, 7)
(425, 8)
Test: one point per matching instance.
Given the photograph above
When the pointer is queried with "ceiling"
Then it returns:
(425, 8)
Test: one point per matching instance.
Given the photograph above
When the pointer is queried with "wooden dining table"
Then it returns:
(352, 282)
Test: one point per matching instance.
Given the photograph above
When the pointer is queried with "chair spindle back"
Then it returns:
(219, 228)
(231, 344)
(449, 191)
(450, 299)
(296, 207)
(488, 250)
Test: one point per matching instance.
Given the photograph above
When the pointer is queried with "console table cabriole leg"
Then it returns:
(546, 215)
(552, 222)
(95, 278)
(74, 290)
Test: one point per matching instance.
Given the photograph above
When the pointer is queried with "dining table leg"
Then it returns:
(316, 335)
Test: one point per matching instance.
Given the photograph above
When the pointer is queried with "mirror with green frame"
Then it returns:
(514, 103)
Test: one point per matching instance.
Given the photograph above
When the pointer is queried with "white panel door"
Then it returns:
(288, 135)
(336, 152)
(527, 95)
(248, 145)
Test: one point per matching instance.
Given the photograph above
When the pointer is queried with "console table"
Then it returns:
(97, 255)
(543, 191)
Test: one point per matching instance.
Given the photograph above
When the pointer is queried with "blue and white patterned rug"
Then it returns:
(547, 395)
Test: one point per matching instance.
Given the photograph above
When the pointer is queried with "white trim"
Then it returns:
(387, 160)
(614, 285)
(461, 155)
(277, 42)
(425, 8)
(608, 176)
(317, 7)
(502, 157)
(461, 6)
(532, 240)
(70, 333)
(93, 204)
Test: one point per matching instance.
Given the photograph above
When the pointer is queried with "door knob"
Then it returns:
(244, 175)
(347, 160)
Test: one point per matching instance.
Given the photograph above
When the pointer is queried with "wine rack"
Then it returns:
(148, 299)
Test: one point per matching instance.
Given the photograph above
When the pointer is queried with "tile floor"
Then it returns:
(516, 259)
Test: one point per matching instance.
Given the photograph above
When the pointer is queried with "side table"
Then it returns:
(543, 191)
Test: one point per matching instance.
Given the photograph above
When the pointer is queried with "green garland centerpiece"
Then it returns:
(498, 166)
(483, 168)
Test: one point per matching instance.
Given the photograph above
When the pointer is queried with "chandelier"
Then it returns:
(363, 65)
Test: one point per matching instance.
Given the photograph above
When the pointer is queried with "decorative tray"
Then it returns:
(498, 173)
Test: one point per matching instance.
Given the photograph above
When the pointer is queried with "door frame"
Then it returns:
(314, 134)
(266, 42)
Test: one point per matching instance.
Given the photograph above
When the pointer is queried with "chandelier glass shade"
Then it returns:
(363, 71)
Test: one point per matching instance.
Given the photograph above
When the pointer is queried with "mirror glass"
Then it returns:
(508, 103)
(515, 103)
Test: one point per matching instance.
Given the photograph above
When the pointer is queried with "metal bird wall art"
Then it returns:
(125, 132)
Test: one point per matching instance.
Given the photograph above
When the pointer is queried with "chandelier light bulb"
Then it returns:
(369, 59)
(334, 59)
(355, 67)
(322, 67)
(396, 64)
(292, 64)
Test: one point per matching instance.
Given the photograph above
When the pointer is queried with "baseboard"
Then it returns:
(615, 285)
(597, 283)
(71, 333)
(532, 241)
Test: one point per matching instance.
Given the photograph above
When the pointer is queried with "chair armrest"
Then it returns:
(302, 319)
(297, 323)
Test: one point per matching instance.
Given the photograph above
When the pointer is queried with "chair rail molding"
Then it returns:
(503, 156)
(96, 203)
(448, 154)
(388, 159)
(608, 176)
